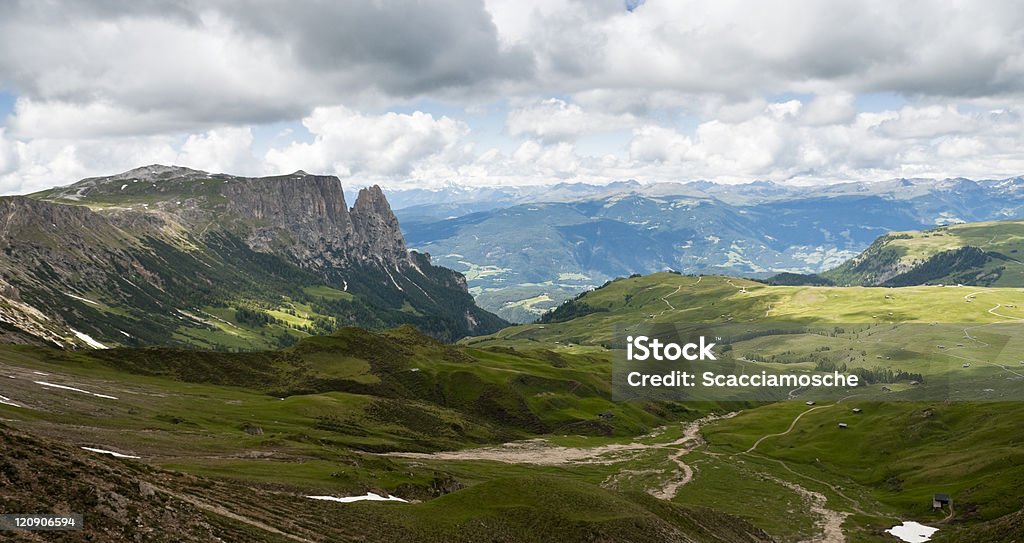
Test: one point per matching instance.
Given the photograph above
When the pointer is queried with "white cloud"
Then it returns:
(829, 109)
(221, 150)
(587, 90)
(658, 144)
(734, 48)
(348, 143)
(781, 144)
(44, 163)
(554, 120)
(29, 166)
(8, 155)
(929, 122)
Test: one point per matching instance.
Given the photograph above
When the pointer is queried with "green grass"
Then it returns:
(323, 291)
(1002, 242)
(352, 395)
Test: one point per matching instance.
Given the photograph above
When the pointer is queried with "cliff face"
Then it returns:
(375, 233)
(176, 256)
(307, 217)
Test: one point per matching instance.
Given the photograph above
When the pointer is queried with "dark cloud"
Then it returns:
(404, 47)
(154, 66)
(173, 64)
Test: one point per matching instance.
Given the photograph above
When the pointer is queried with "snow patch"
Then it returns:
(111, 453)
(73, 389)
(393, 279)
(88, 340)
(7, 401)
(912, 532)
(86, 300)
(370, 496)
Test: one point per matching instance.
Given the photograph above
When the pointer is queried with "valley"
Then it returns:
(525, 249)
(256, 355)
(528, 410)
(488, 271)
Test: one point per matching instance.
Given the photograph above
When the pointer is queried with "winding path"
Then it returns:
(541, 452)
(788, 430)
(690, 441)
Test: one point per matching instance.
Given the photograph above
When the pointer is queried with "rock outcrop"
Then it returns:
(143, 257)
(306, 216)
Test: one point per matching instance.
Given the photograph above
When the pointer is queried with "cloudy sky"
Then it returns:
(422, 93)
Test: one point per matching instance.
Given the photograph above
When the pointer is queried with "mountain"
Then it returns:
(983, 254)
(172, 256)
(522, 259)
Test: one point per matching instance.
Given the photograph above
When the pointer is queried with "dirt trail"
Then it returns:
(668, 303)
(993, 311)
(536, 451)
(788, 430)
(968, 336)
(542, 452)
(830, 522)
(690, 441)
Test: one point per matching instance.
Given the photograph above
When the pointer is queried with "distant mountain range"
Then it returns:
(169, 255)
(525, 249)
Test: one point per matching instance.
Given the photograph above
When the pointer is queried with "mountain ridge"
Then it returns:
(524, 250)
(217, 261)
(981, 254)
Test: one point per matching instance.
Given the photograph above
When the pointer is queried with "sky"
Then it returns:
(410, 93)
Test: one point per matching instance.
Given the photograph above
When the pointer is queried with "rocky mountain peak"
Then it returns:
(376, 232)
(178, 238)
(371, 199)
(157, 171)
(310, 210)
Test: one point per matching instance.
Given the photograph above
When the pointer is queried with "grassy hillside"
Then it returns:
(985, 254)
(514, 436)
(587, 322)
(894, 455)
(255, 432)
(126, 500)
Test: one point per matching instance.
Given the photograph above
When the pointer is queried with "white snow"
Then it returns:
(392, 279)
(7, 401)
(73, 389)
(111, 453)
(912, 532)
(370, 496)
(40, 373)
(123, 186)
(88, 340)
(86, 300)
